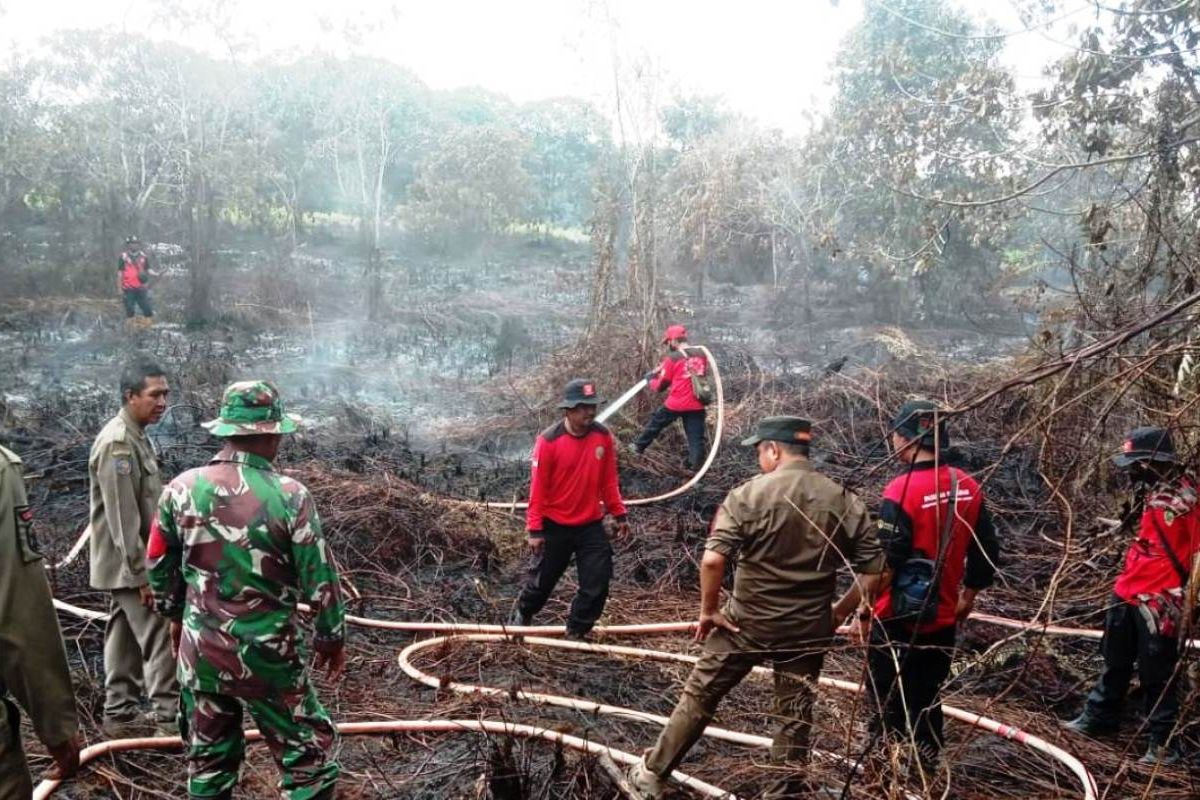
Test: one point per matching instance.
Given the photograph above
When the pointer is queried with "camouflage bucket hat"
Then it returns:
(249, 408)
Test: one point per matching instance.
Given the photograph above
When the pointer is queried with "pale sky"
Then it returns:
(768, 59)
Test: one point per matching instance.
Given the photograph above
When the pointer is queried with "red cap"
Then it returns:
(675, 332)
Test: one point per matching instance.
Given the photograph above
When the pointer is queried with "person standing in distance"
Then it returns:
(133, 281)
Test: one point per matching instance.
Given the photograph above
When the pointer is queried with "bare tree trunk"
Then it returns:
(202, 217)
(649, 254)
(774, 263)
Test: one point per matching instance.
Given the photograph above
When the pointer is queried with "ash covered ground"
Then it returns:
(442, 400)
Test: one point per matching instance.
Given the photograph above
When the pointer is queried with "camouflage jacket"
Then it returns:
(235, 547)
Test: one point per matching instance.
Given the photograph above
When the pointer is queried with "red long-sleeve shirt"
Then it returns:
(673, 374)
(573, 478)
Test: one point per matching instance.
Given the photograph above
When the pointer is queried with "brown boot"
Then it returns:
(127, 726)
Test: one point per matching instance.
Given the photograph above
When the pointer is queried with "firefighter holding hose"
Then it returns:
(685, 380)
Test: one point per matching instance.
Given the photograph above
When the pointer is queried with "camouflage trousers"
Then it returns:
(295, 726)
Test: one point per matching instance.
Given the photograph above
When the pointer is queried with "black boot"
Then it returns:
(1162, 755)
(1089, 724)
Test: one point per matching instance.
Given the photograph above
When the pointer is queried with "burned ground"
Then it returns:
(406, 417)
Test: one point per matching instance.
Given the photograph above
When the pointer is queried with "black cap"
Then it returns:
(794, 430)
(1146, 444)
(580, 392)
(914, 421)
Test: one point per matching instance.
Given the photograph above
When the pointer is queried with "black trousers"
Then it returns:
(906, 673)
(135, 299)
(693, 428)
(1127, 640)
(593, 554)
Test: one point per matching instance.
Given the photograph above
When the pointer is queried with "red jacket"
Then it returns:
(910, 526)
(673, 373)
(573, 478)
(1148, 568)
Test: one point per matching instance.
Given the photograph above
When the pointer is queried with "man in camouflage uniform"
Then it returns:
(33, 663)
(125, 487)
(236, 546)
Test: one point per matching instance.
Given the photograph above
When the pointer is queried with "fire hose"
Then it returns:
(536, 636)
(718, 432)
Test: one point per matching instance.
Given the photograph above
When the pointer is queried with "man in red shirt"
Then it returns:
(675, 374)
(910, 653)
(573, 484)
(1143, 622)
(133, 279)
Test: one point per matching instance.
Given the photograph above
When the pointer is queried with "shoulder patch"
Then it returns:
(554, 431)
(123, 465)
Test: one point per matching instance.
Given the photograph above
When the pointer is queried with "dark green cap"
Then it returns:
(793, 430)
(580, 392)
(1146, 444)
(914, 420)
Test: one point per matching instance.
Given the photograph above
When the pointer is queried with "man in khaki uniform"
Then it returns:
(125, 487)
(33, 663)
(790, 529)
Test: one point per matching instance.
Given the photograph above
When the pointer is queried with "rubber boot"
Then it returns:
(1161, 755)
(1089, 724)
(647, 785)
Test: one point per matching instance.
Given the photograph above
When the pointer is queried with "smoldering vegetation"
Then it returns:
(420, 271)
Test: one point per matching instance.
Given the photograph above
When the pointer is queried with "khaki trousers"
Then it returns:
(727, 659)
(15, 781)
(137, 654)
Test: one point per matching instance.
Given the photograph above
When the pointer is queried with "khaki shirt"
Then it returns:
(125, 487)
(791, 530)
(33, 662)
